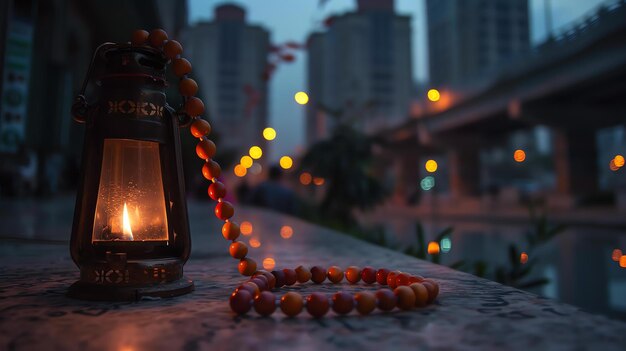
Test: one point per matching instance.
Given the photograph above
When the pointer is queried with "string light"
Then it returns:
(240, 170)
(255, 152)
(269, 133)
(246, 161)
(286, 162)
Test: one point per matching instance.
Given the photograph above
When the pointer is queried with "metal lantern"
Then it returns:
(130, 235)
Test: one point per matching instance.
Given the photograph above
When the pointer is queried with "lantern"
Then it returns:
(130, 235)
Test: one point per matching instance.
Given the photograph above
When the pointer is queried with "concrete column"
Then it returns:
(575, 162)
(464, 166)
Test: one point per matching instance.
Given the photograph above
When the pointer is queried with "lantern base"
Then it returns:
(95, 292)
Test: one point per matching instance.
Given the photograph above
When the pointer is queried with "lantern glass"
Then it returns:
(131, 204)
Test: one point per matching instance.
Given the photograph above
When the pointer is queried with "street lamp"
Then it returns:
(130, 236)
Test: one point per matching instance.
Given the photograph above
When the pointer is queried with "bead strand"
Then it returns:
(404, 291)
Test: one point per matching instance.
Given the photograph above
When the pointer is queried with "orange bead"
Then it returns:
(252, 287)
(335, 274)
(353, 274)
(181, 66)
(187, 87)
(211, 169)
(271, 280)
(421, 294)
(303, 275)
(265, 303)
(157, 37)
(406, 297)
(172, 49)
(318, 274)
(230, 230)
(139, 37)
(290, 276)
(200, 128)
(260, 282)
(247, 266)
(386, 299)
(433, 289)
(194, 107)
(365, 302)
(343, 302)
(240, 301)
(205, 149)
(238, 250)
(217, 191)
(224, 210)
(317, 304)
(291, 303)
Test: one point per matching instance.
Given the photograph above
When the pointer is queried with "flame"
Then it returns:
(126, 230)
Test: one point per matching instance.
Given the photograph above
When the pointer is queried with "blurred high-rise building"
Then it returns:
(360, 67)
(229, 58)
(470, 39)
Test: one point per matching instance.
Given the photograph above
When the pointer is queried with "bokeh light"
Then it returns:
(256, 169)
(269, 263)
(285, 162)
(622, 261)
(433, 248)
(240, 170)
(523, 258)
(618, 160)
(269, 133)
(431, 166)
(301, 98)
(286, 232)
(255, 152)
(612, 166)
(519, 155)
(246, 161)
(318, 181)
(427, 183)
(446, 245)
(306, 178)
(617, 253)
(254, 242)
(433, 95)
(245, 228)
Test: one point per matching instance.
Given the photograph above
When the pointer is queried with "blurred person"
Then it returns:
(273, 194)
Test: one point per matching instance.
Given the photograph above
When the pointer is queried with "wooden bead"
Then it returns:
(181, 66)
(402, 279)
(265, 303)
(290, 276)
(280, 278)
(172, 48)
(433, 289)
(252, 288)
(391, 279)
(200, 128)
(211, 169)
(217, 190)
(291, 303)
(317, 305)
(194, 107)
(230, 230)
(421, 294)
(271, 280)
(258, 275)
(224, 210)
(303, 275)
(365, 302)
(343, 302)
(405, 296)
(157, 37)
(368, 274)
(187, 87)
(318, 274)
(205, 149)
(247, 266)
(261, 283)
(381, 276)
(249, 288)
(240, 301)
(238, 250)
(139, 37)
(335, 274)
(386, 299)
(353, 274)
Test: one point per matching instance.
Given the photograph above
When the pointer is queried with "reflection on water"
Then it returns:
(577, 262)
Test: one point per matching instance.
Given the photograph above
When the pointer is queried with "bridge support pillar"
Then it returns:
(464, 161)
(575, 163)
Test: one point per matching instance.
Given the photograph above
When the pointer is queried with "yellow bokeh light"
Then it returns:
(255, 152)
(254, 242)
(306, 178)
(245, 228)
(269, 263)
(286, 232)
(617, 253)
(433, 95)
(519, 155)
(246, 161)
(240, 171)
(318, 181)
(618, 160)
(286, 162)
(301, 98)
(269, 133)
(431, 166)
(433, 248)
(523, 258)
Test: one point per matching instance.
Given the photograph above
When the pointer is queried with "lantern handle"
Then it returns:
(80, 107)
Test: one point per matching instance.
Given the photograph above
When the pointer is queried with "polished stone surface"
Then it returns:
(470, 313)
